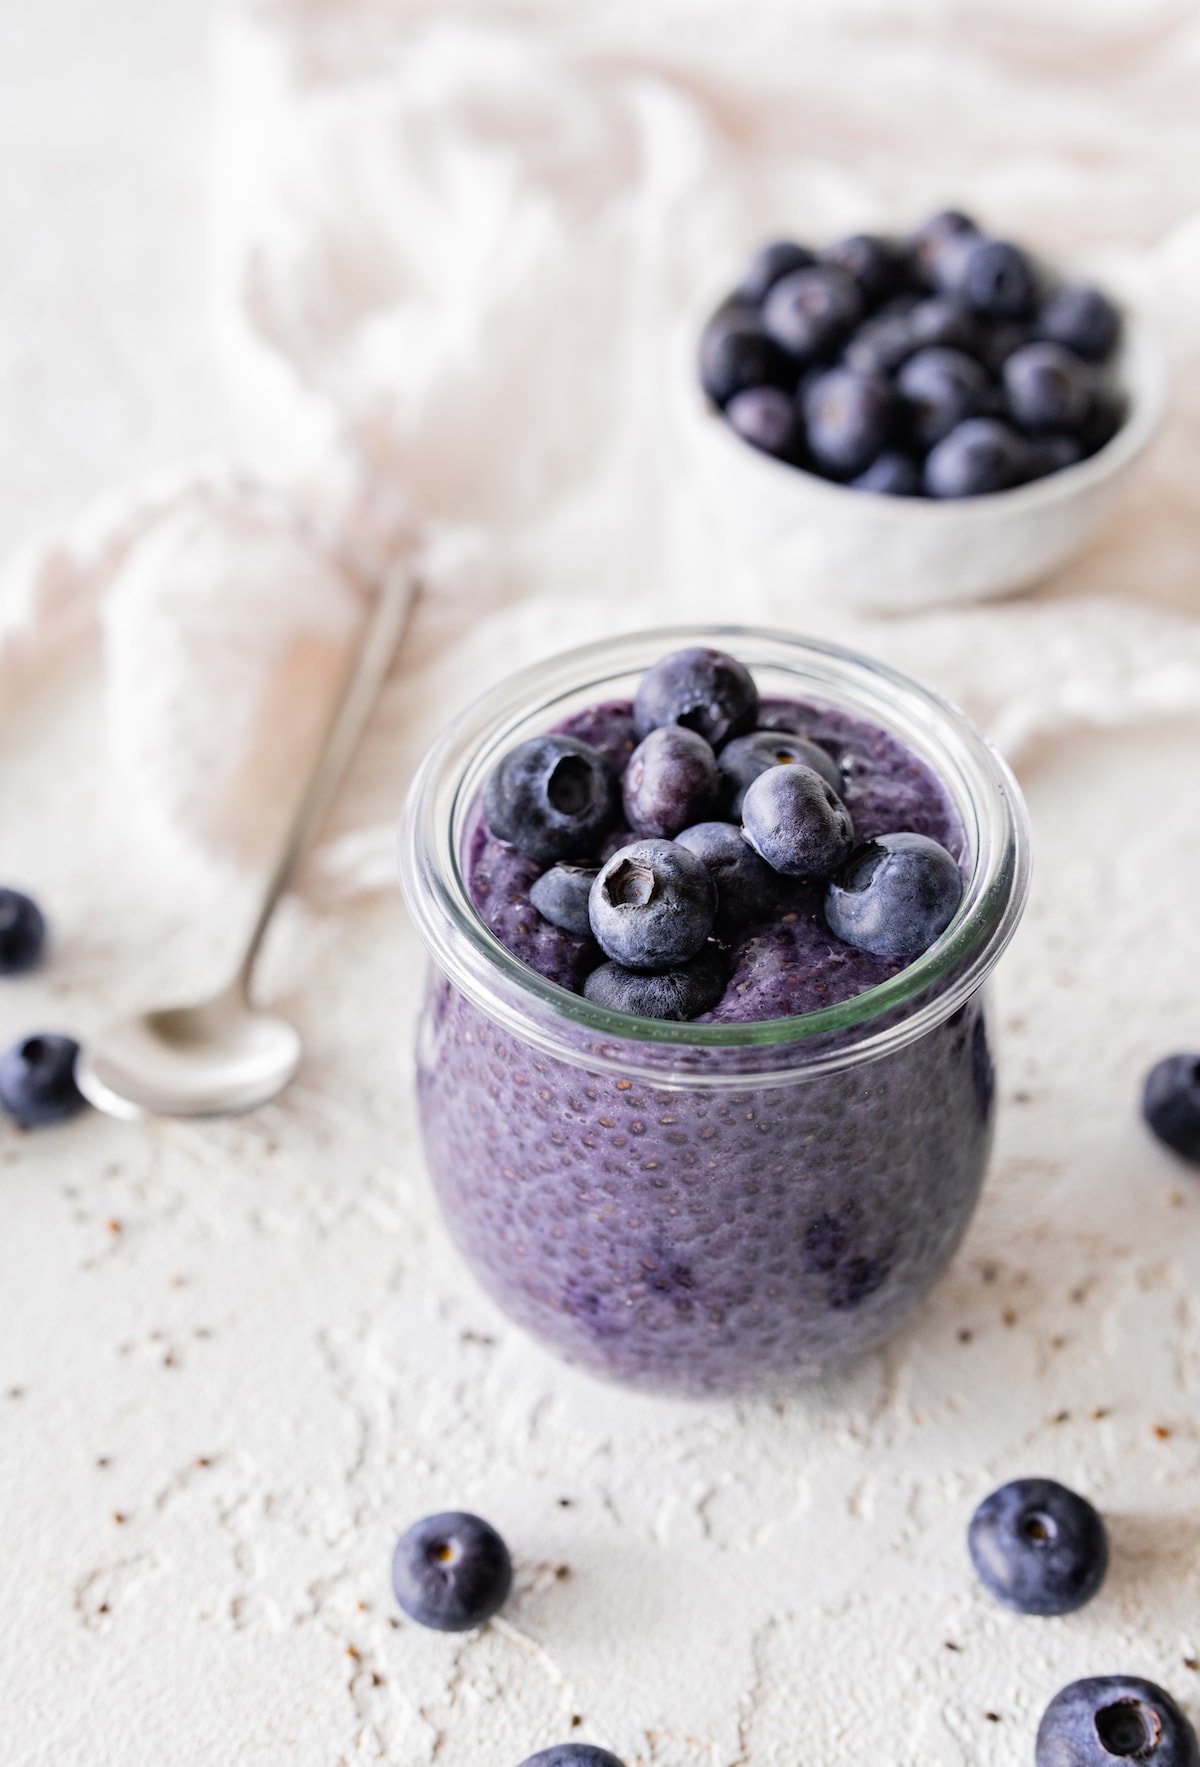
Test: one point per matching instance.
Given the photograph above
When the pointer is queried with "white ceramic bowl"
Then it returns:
(779, 525)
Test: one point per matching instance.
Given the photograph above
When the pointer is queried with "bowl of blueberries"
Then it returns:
(903, 421)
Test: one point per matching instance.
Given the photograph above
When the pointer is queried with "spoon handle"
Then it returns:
(360, 689)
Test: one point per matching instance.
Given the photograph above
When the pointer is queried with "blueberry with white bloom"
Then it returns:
(680, 993)
(1108, 1718)
(743, 759)
(653, 905)
(552, 798)
(1038, 1547)
(670, 782)
(747, 888)
(796, 821)
(451, 1571)
(704, 690)
(561, 894)
(894, 896)
(37, 1080)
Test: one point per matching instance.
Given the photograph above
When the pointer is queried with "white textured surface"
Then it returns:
(236, 1358)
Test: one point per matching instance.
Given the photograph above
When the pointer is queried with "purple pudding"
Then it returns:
(762, 1179)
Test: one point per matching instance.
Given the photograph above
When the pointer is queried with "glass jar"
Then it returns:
(707, 1208)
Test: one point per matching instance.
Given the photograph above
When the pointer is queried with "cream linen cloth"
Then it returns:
(455, 245)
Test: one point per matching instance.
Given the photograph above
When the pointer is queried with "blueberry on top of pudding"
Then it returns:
(718, 871)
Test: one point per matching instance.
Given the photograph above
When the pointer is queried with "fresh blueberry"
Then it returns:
(895, 895)
(746, 757)
(939, 388)
(943, 325)
(551, 798)
(1171, 1103)
(1050, 453)
(1083, 319)
(747, 888)
(735, 352)
(990, 276)
(892, 474)
(848, 420)
(22, 933)
(1038, 1547)
(880, 346)
(873, 263)
(1108, 413)
(769, 265)
(1048, 388)
(653, 905)
(704, 690)
(683, 992)
(797, 822)
(560, 896)
(767, 418)
(573, 1754)
(670, 782)
(451, 1572)
(37, 1080)
(811, 312)
(997, 342)
(925, 245)
(1108, 1718)
(980, 456)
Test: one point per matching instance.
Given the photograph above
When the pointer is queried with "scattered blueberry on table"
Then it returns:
(660, 868)
(1108, 1718)
(573, 1754)
(451, 1571)
(37, 1080)
(22, 933)
(949, 364)
(1038, 1547)
(1171, 1104)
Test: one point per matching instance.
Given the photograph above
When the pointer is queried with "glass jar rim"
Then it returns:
(564, 1024)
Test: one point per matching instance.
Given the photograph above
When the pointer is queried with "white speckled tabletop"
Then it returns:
(236, 1358)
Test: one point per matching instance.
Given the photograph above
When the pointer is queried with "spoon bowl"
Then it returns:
(216, 1058)
(222, 1055)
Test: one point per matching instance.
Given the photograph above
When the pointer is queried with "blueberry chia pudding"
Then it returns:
(703, 1067)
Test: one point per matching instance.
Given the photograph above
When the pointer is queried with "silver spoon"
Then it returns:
(224, 1055)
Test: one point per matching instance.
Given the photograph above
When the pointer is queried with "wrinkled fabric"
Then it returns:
(461, 252)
